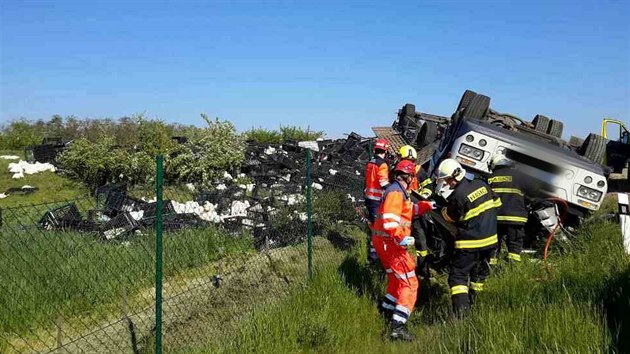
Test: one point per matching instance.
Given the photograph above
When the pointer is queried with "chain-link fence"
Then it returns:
(134, 269)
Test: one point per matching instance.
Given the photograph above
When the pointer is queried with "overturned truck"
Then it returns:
(563, 172)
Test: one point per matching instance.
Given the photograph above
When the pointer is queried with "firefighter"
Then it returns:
(391, 237)
(420, 187)
(376, 180)
(509, 185)
(472, 208)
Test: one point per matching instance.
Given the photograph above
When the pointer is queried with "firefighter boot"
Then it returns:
(386, 313)
(400, 332)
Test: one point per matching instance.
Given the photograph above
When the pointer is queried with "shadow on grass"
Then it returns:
(616, 301)
(365, 280)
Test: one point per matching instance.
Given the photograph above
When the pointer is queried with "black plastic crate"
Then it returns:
(174, 222)
(67, 216)
(122, 225)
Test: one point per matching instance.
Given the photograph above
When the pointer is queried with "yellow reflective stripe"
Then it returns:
(488, 241)
(493, 261)
(446, 217)
(508, 190)
(511, 218)
(425, 183)
(423, 253)
(514, 256)
(425, 191)
(459, 289)
(476, 286)
(485, 206)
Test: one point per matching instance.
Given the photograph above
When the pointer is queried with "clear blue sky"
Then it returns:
(335, 67)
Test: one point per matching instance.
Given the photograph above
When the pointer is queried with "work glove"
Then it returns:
(407, 241)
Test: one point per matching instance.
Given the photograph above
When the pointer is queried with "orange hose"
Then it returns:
(553, 232)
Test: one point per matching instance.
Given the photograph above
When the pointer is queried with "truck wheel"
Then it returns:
(555, 128)
(408, 110)
(427, 135)
(575, 141)
(541, 123)
(465, 100)
(594, 148)
(478, 107)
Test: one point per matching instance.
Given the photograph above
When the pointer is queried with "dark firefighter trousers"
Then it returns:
(512, 235)
(468, 270)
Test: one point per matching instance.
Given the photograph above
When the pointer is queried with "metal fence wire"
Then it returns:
(175, 267)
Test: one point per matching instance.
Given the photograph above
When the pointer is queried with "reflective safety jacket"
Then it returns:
(472, 207)
(422, 183)
(376, 178)
(396, 212)
(509, 185)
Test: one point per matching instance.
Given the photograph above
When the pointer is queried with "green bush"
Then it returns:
(202, 158)
(267, 136)
(299, 134)
(98, 163)
(20, 134)
(263, 136)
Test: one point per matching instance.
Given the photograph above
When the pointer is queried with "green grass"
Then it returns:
(74, 274)
(52, 186)
(581, 306)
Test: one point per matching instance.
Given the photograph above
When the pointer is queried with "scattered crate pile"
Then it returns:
(266, 197)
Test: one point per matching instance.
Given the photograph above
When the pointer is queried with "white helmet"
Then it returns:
(450, 168)
(499, 160)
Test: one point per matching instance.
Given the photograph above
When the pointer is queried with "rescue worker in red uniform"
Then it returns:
(376, 180)
(421, 189)
(391, 237)
(510, 186)
(472, 207)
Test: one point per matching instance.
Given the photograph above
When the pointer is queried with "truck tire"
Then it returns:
(408, 110)
(465, 100)
(555, 128)
(594, 148)
(575, 141)
(428, 134)
(541, 123)
(478, 107)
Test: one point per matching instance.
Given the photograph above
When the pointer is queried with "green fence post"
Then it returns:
(159, 160)
(309, 213)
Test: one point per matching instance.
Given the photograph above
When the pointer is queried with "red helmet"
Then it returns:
(406, 166)
(381, 144)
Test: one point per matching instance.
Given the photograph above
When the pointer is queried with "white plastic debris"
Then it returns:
(227, 176)
(357, 173)
(239, 208)
(287, 177)
(301, 216)
(190, 186)
(353, 199)
(247, 187)
(2, 195)
(26, 186)
(23, 167)
(292, 199)
(270, 150)
(317, 186)
(312, 145)
(332, 172)
(221, 187)
(242, 175)
(17, 175)
(137, 215)
(320, 179)
(9, 157)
